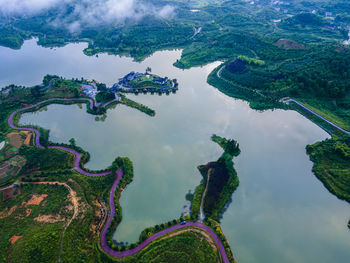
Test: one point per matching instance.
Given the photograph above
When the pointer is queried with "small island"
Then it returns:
(219, 182)
(136, 82)
(97, 95)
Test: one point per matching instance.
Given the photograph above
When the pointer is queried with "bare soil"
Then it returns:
(28, 138)
(72, 196)
(15, 139)
(7, 212)
(14, 238)
(35, 200)
(49, 219)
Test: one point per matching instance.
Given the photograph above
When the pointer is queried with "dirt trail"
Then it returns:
(73, 197)
(197, 230)
(7, 213)
(102, 214)
(75, 201)
(201, 215)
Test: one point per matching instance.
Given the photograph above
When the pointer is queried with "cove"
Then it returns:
(279, 213)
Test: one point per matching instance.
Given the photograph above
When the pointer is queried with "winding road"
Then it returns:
(121, 254)
(119, 174)
(201, 213)
(37, 133)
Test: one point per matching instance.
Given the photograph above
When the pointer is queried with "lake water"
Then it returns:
(280, 212)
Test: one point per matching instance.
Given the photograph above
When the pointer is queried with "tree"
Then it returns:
(35, 91)
(104, 96)
(232, 148)
(76, 92)
(72, 142)
(101, 87)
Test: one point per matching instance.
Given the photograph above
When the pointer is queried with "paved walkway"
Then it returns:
(121, 254)
(119, 174)
(49, 84)
(288, 100)
(37, 137)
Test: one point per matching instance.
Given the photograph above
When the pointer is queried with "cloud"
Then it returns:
(99, 12)
(87, 12)
(24, 7)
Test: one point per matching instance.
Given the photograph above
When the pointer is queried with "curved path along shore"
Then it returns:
(48, 85)
(288, 100)
(121, 254)
(37, 134)
(119, 174)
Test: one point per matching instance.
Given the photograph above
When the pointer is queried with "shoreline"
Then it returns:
(119, 173)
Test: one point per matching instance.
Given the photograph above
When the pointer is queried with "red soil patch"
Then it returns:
(28, 138)
(7, 213)
(28, 212)
(35, 200)
(14, 238)
(288, 44)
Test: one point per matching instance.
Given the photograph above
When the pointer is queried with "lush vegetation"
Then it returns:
(19, 97)
(44, 239)
(126, 166)
(138, 106)
(77, 242)
(252, 61)
(289, 51)
(39, 241)
(196, 201)
(332, 165)
(104, 96)
(185, 247)
(45, 159)
(223, 181)
(223, 178)
(296, 54)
